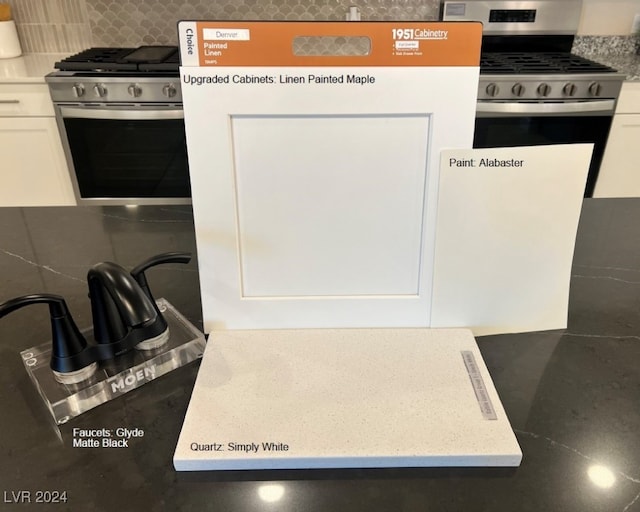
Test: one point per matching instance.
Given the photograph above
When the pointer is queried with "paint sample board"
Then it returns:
(344, 398)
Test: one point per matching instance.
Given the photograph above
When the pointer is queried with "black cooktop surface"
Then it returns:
(132, 60)
(539, 63)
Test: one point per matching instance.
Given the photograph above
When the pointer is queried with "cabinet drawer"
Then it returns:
(629, 102)
(24, 100)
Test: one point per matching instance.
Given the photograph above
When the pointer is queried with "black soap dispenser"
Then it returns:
(70, 362)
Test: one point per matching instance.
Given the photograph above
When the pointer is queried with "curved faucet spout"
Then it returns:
(118, 303)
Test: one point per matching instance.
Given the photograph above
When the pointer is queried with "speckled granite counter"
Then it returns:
(619, 52)
(627, 64)
(572, 396)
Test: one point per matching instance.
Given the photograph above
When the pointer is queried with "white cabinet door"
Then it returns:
(315, 206)
(34, 170)
(620, 170)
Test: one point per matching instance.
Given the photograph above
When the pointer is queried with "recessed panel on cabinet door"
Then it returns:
(330, 205)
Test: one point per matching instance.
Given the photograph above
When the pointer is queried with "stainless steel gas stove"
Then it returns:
(533, 90)
(141, 75)
(119, 112)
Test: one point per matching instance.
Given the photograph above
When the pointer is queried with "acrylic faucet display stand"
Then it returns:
(344, 398)
(115, 377)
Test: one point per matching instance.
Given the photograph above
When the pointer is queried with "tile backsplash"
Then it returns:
(51, 25)
(73, 25)
(68, 26)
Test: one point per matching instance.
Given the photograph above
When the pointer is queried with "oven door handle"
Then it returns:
(571, 107)
(121, 114)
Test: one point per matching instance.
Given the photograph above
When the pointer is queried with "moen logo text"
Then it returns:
(419, 33)
(124, 384)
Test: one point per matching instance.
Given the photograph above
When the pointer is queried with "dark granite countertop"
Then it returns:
(572, 396)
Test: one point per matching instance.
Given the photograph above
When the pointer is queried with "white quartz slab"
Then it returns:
(343, 398)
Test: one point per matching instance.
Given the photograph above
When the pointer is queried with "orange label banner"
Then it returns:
(275, 43)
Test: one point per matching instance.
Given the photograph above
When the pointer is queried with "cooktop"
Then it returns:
(539, 63)
(132, 60)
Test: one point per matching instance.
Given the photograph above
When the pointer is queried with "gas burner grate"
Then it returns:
(171, 63)
(144, 58)
(539, 63)
(97, 59)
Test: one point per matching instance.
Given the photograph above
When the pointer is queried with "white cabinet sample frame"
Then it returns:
(315, 203)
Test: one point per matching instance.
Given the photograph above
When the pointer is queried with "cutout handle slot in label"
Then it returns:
(331, 46)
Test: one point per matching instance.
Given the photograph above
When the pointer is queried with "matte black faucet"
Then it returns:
(125, 315)
(124, 311)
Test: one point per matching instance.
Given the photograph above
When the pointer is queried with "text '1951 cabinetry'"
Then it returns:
(33, 170)
(620, 171)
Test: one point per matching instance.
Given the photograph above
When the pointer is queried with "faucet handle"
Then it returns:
(66, 337)
(68, 355)
(138, 272)
(167, 257)
(57, 305)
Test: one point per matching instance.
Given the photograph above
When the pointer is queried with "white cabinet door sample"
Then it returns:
(315, 204)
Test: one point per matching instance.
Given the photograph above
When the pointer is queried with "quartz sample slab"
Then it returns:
(343, 398)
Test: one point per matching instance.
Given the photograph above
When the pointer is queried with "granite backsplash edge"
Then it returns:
(606, 45)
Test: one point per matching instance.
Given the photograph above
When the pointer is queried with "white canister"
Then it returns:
(9, 42)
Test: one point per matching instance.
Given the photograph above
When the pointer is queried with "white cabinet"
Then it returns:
(620, 171)
(34, 170)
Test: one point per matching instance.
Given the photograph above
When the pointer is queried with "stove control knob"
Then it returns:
(100, 90)
(544, 89)
(518, 89)
(569, 89)
(492, 89)
(134, 90)
(78, 90)
(595, 89)
(169, 90)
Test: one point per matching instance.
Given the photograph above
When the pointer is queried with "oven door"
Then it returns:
(124, 155)
(508, 124)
